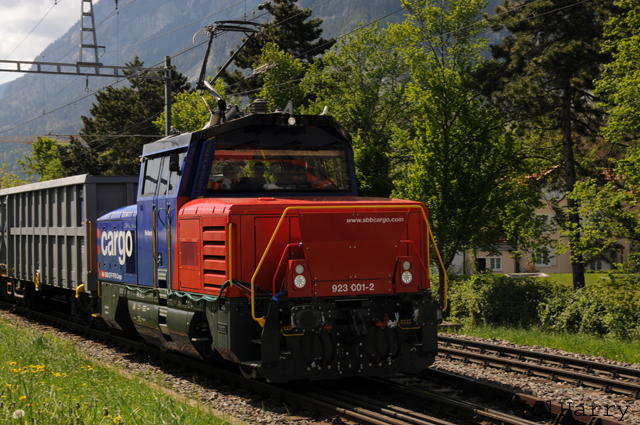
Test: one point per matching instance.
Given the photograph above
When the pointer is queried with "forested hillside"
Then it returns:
(150, 29)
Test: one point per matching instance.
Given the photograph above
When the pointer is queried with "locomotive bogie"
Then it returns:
(302, 339)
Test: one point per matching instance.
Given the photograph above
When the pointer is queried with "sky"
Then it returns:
(20, 17)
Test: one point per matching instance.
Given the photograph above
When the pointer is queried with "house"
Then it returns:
(548, 261)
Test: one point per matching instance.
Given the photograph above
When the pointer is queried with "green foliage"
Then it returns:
(292, 31)
(498, 300)
(282, 80)
(610, 309)
(47, 381)
(463, 163)
(610, 210)
(9, 179)
(543, 81)
(189, 112)
(620, 82)
(120, 114)
(363, 81)
(44, 162)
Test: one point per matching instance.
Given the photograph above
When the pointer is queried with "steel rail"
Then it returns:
(548, 372)
(329, 403)
(613, 371)
(461, 409)
(529, 405)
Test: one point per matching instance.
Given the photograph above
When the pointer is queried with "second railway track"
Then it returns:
(601, 376)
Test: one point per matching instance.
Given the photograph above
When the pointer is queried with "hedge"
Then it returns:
(610, 309)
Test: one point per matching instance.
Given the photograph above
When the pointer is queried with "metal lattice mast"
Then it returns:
(88, 28)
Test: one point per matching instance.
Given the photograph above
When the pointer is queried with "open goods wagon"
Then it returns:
(47, 233)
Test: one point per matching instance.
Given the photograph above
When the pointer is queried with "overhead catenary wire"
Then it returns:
(119, 80)
(32, 30)
(439, 35)
(132, 76)
(116, 12)
(247, 92)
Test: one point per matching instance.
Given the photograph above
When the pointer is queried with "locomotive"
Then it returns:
(244, 242)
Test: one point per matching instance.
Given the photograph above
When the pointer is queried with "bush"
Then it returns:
(498, 300)
(609, 310)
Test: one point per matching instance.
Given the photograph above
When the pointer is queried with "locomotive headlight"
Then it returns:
(407, 277)
(299, 269)
(300, 281)
(406, 265)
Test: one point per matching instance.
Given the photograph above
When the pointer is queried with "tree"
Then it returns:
(44, 162)
(9, 179)
(363, 81)
(620, 82)
(292, 31)
(112, 144)
(544, 82)
(465, 166)
(611, 210)
(189, 112)
(610, 204)
(282, 82)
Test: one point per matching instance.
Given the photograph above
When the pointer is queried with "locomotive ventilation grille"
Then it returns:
(214, 250)
(189, 253)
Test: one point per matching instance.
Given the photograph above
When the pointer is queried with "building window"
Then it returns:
(546, 258)
(548, 225)
(495, 264)
(596, 265)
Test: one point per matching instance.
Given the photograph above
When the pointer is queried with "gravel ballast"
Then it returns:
(235, 404)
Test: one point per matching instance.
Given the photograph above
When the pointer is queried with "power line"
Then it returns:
(33, 29)
(174, 30)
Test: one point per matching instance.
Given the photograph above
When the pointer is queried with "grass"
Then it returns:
(566, 279)
(45, 380)
(620, 350)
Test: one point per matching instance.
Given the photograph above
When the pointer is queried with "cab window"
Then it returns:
(151, 175)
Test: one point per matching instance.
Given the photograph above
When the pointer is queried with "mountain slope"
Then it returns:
(150, 29)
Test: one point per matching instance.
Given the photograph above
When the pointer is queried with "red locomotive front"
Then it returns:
(314, 287)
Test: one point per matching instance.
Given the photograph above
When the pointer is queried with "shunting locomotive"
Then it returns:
(247, 242)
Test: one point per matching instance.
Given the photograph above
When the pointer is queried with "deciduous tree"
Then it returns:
(464, 164)
(363, 81)
(189, 112)
(43, 163)
(620, 82)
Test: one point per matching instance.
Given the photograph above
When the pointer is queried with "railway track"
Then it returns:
(433, 398)
(601, 376)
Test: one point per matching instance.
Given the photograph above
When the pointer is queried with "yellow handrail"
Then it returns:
(446, 280)
(262, 320)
